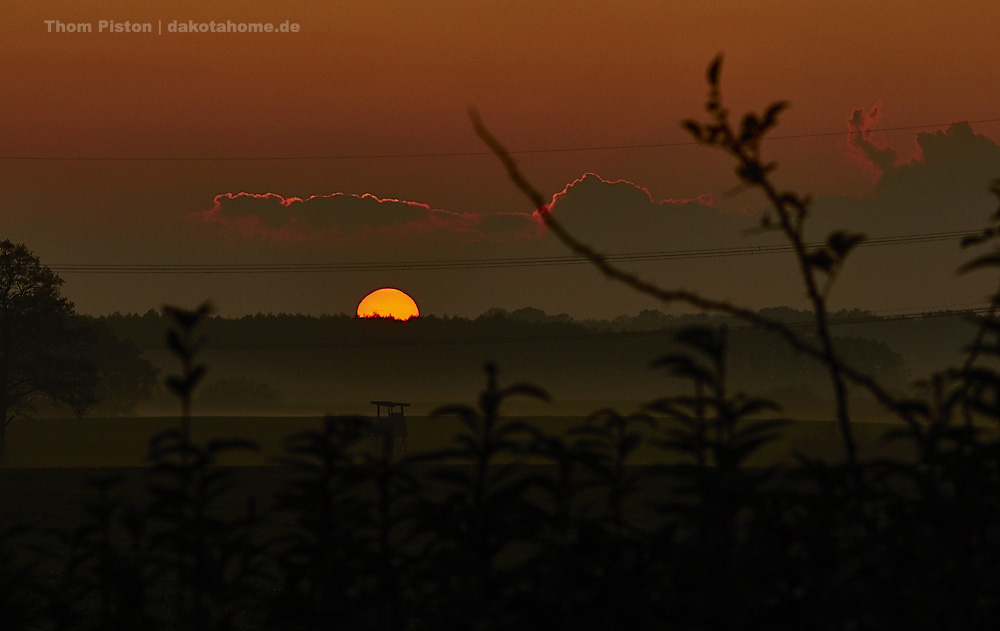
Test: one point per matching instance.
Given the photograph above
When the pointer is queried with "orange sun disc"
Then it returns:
(388, 303)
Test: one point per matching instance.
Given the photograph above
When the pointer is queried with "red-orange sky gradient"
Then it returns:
(362, 84)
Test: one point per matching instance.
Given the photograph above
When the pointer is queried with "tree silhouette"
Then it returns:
(124, 376)
(41, 345)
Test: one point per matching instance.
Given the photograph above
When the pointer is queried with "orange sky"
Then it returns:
(393, 77)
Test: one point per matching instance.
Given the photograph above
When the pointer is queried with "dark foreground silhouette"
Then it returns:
(517, 528)
(514, 528)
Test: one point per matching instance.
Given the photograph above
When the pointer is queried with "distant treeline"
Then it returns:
(336, 363)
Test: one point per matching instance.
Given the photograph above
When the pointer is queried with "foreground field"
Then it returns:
(123, 442)
(52, 462)
(588, 540)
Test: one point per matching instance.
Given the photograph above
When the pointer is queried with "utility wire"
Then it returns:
(452, 154)
(309, 268)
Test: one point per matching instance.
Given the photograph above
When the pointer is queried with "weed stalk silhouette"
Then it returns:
(185, 346)
(211, 557)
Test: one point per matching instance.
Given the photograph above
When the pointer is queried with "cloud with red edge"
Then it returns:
(877, 157)
(622, 216)
(342, 216)
(615, 212)
(589, 179)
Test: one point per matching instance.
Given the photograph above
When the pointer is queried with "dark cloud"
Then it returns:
(272, 217)
(509, 227)
(621, 216)
(344, 216)
(945, 189)
(616, 214)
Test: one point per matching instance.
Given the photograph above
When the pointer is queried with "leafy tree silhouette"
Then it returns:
(124, 376)
(41, 345)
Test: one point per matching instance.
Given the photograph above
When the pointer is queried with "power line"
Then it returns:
(311, 268)
(451, 154)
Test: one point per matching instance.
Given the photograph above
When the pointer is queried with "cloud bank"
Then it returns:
(333, 217)
(590, 203)
(946, 188)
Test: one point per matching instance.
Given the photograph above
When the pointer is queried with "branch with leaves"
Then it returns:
(791, 210)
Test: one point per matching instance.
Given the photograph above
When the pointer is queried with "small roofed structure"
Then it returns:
(389, 431)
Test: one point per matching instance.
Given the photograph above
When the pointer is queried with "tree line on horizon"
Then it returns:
(118, 357)
(126, 354)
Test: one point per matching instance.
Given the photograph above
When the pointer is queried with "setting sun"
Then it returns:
(388, 303)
